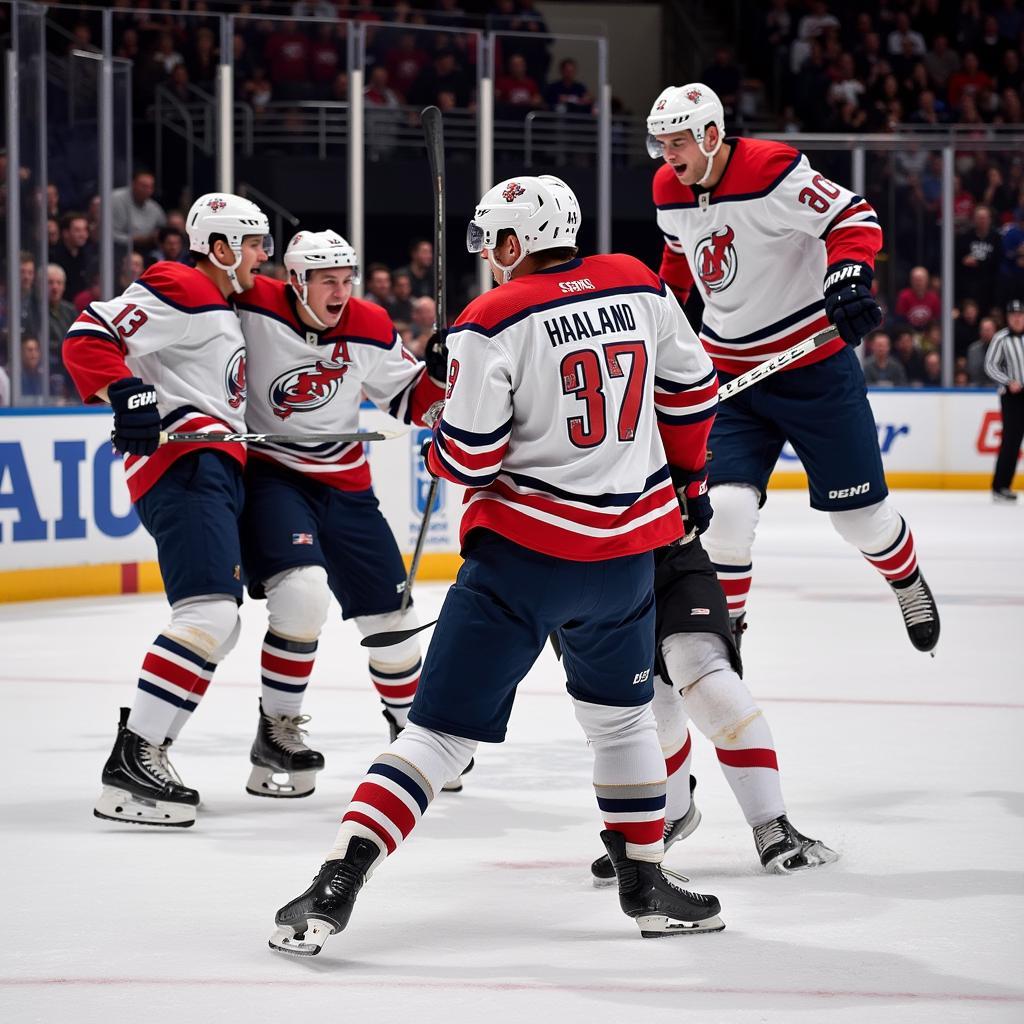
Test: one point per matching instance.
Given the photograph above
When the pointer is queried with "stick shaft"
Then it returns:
(776, 363)
(207, 438)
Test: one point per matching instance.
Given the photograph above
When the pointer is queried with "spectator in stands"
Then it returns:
(424, 318)
(536, 48)
(881, 370)
(401, 297)
(965, 325)
(166, 57)
(919, 304)
(52, 232)
(941, 63)
(29, 295)
(52, 202)
(932, 370)
(961, 378)
(202, 61)
(444, 74)
(963, 205)
(723, 76)
(172, 246)
(515, 91)
(420, 268)
(1010, 75)
(62, 313)
(306, 9)
(568, 95)
(903, 36)
(136, 217)
(287, 54)
(74, 252)
(405, 62)
(969, 81)
(976, 353)
(1011, 270)
(378, 286)
(908, 355)
(258, 89)
(978, 255)
(325, 58)
(31, 368)
(93, 291)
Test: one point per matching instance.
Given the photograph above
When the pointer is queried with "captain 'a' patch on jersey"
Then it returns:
(175, 330)
(757, 245)
(306, 381)
(566, 389)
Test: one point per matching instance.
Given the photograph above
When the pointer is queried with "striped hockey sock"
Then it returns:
(677, 767)
(751, 768)
(638, 812)
(898, 562)
(172, 681)
(396, 685)
(735, 581)
(285, 668)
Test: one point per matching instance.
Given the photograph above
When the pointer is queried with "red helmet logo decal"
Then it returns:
(716, 261)
(693, 95)
(661, 105)
(306, 388)
(216, 204)
(512, 192)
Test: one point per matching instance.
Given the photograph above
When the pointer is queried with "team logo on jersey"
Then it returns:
(234, 378)
(716, 260)
(693, 95)
(513, 191)
(216, 204)
(306, 388)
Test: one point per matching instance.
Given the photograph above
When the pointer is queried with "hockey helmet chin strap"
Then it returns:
(710, 156)
(506, 271)
(302, 296)
(230, 271)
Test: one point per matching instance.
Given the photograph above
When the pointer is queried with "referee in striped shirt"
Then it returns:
(1004, 363)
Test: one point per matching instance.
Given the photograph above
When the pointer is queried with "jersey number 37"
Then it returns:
(583, 377)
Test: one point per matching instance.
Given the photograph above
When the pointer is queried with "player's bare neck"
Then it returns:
(218, 277)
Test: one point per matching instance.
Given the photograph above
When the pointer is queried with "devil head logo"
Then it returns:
(306, 388)
(693, 95)
(216, 204)
(234, 378)
(716, 261)
(661, 105)
(512, 192)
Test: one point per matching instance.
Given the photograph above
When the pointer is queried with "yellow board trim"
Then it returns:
(105, 579)
(790, 481)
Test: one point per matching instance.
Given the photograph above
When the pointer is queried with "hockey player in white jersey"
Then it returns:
(312, 524)
(778, 252)
(578, 402)
(168, 354)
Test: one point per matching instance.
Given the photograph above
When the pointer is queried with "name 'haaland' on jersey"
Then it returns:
(613, 319)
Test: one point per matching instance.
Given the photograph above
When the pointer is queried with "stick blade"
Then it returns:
(433, 135)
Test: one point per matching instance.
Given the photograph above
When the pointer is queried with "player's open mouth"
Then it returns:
(680, 169)
(334, 308)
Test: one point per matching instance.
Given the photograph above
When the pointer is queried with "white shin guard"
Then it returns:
(297, 602)
(870, 529)
(729, 539)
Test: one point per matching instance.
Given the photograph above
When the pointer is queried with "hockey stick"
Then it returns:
(396, 636)
(433, 135)
(776, 363)
(206, 438)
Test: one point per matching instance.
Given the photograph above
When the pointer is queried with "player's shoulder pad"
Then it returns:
(756, 168)
(669, 191)
(182, 287)
(366, 322)
(267, 295)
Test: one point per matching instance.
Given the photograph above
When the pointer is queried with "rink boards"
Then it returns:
(67, 527)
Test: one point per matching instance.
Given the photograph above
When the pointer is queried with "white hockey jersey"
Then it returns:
(566, 389)
(175, 330)
(305, 381)
(757, 245)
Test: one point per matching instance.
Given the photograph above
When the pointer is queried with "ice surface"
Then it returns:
(910, 766)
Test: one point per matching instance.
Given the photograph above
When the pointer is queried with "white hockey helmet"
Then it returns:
(221, 213)
(543, 212)
(317, 250)
(686, 108)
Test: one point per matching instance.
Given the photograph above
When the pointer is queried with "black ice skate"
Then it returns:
(658, 907)
(141, 787)
(920, 614)
(782, 849)
(602, 871)
(1003, 496)
(395, 730)
(738, 626)
(305, 923)
(279, 749)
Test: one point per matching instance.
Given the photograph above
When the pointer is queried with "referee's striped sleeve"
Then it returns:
(1004, 360)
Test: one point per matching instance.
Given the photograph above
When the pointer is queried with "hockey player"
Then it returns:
(699, 676)
(778, 252)
(560, 381)
(312, 524)
(168, 354)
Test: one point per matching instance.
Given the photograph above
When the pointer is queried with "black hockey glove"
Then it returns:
(694, 502)
(849, 303)
(435, 355)
(136, 417)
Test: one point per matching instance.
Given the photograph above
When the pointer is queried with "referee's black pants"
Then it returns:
(1013, 435)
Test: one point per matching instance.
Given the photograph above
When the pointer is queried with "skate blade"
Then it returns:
(684, 833)
(317, 933)
(124, 808)
(455, 786)
(281, 785)
(603, 883)
(814, 856)
(656, 926)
